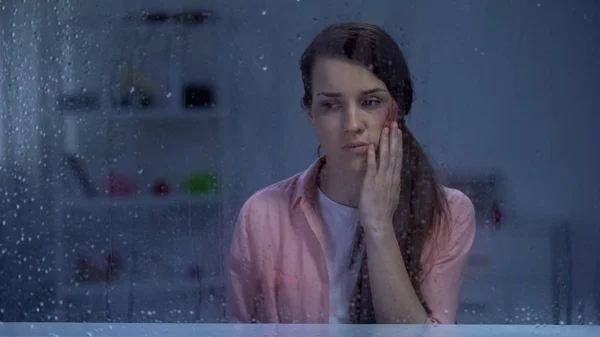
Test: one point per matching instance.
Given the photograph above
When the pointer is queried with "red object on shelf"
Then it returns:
(160, 187)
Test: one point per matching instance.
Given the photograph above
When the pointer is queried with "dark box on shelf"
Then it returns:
(198, 96)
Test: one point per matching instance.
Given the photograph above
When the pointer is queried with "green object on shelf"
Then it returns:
(201, 183)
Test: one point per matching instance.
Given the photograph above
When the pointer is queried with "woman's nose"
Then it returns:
(352, 119)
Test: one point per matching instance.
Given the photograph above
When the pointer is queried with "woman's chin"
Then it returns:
(349, 164)
(357, 164)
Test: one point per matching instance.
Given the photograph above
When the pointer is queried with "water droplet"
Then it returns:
(261, 57)
(140, 171)
(265, 68)
(264, 12)
(299, 37)
(169, 95)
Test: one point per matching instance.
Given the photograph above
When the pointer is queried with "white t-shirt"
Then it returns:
(340, 224)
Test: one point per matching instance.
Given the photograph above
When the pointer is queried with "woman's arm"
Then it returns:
(394, 298)
(243, 290)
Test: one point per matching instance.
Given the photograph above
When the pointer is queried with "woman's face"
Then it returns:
(350, 107)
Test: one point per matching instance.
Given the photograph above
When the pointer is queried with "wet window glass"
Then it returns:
(140, 143)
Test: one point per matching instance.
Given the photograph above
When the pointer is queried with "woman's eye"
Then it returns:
(371, 102)
(329, 105)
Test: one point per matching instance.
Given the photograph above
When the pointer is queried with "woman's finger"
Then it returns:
(371, 162)
(398, 154)
(384, 149)
(393, 148)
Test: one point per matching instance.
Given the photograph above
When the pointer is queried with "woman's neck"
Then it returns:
(340, 185)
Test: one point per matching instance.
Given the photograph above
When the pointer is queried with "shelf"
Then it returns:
(198, 115)
(146, 200)
(122, 288)
(134, 21)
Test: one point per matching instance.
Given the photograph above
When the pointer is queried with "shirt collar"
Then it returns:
(307, 187)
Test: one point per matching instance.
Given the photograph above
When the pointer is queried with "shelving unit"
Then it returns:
(157, 116)
(131, 254)
(144, 201)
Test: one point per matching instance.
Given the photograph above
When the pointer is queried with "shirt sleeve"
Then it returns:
(242, 284)
(441, 286)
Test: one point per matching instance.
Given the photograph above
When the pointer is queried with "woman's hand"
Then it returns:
(381, 186)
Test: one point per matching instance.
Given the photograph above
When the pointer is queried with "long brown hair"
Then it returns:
(422, 201)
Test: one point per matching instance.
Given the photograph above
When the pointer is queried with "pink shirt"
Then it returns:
(277, 271)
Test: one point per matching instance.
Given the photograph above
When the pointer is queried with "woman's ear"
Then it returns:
(310, 116)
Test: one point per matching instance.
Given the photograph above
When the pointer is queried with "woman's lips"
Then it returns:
(357, 147)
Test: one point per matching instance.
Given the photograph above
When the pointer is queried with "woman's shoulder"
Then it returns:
(261, 217)
(456, 233)
(275, 196)
(458, 223)
(459, 204)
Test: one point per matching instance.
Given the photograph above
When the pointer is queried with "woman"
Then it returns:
(365, 234)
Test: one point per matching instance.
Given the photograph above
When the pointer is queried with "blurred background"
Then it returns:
(133, 131)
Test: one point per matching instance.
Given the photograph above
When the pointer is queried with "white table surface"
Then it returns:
(255, 330)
